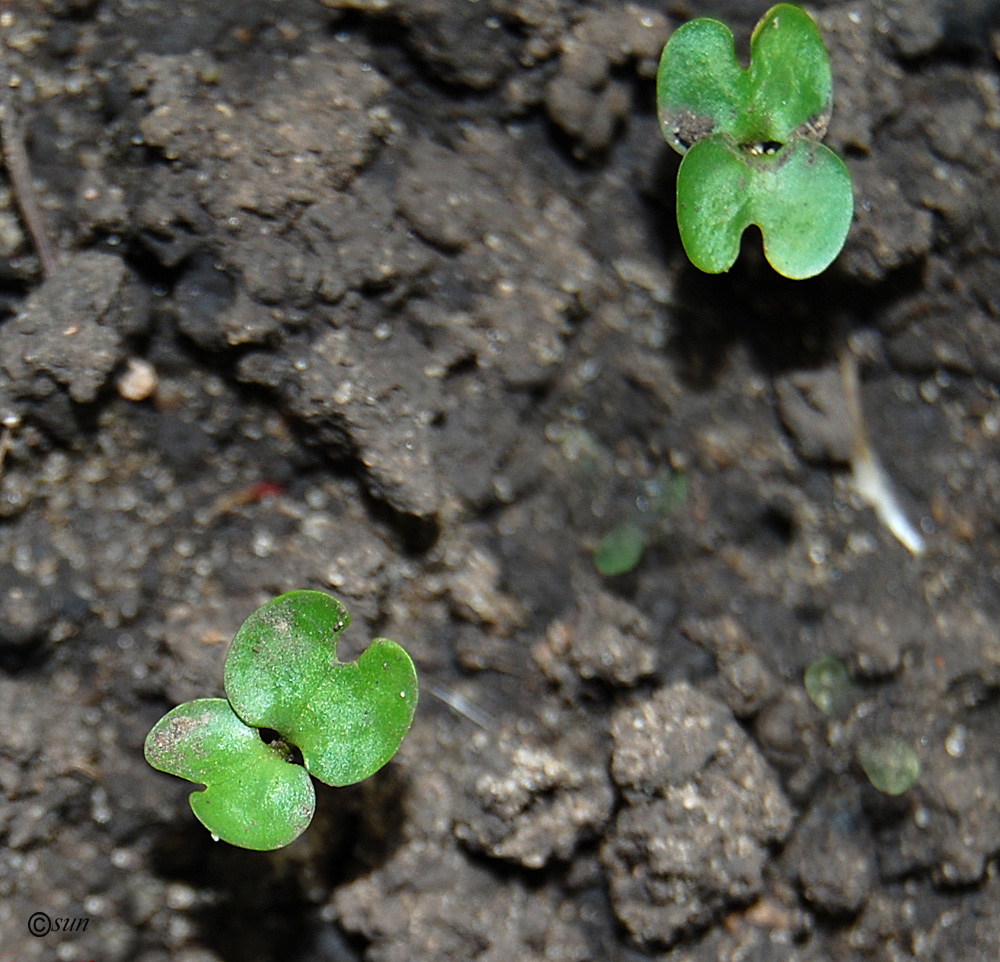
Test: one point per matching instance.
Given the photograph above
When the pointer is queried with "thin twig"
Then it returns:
(15, 158)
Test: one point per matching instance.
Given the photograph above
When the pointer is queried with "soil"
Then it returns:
(385, 297)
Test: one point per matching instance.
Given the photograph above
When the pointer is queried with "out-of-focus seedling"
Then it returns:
(830, 687)
(620, 550)
(751, 143)
(282, 675)
(891, 764)
(637, 504)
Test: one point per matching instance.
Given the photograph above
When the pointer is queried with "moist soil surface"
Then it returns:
(385, 298)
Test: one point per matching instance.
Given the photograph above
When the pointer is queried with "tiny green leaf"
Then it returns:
(830, 686)
(803, 203)
(253, 797)
(620, 550)
(700, 86)
(790, 83)
(282, 673)
(701, 89)
(891, 764)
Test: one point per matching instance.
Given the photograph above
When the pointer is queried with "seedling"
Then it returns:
(830, 687)
(750, 140)
(283, 680)
(621, 549)
(891, 764)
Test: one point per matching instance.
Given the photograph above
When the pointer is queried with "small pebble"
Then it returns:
(138, 381)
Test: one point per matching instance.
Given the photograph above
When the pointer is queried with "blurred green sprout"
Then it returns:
(830, 687)
(890, 762)
(751, 143)
(621, 549)
(292, 710)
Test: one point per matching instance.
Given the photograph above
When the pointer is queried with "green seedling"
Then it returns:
(283, 680)
(830, 687)
(891, 764)
(620, 550)
(750, 140)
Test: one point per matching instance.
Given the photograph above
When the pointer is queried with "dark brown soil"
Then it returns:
(385, 297)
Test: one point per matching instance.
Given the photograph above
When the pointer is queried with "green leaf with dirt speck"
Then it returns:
(787, 88)
(750, 143)
(253, 797)
(282, 672)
